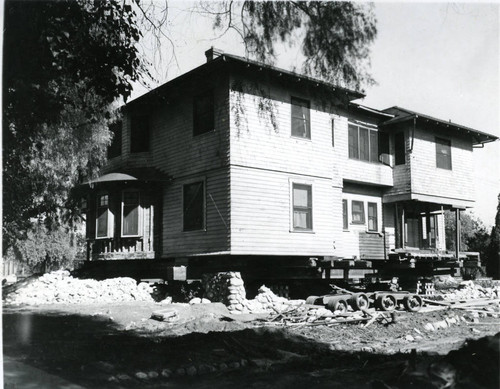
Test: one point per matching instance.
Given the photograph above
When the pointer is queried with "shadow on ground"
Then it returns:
(93, 352)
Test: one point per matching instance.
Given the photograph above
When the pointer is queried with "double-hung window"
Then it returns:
(358, 212)
(139, 134)
(301, 118)
(130, 213)
(203, 113)
(443, 153)
(194, 206)
(372, 217)
(363, 143)
(302, 207)
(103, 217)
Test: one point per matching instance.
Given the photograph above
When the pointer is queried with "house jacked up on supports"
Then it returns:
(237, 165)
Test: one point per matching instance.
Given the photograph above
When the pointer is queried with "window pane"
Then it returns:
(194, 205)
(358, 212)
(400, 146)
(301, 122)
(130, 213)
(383, 143)
(301, 196)
(203, 113)
(333, 132)
(302, 206)
(373, 146)
(102, 222)
(443, 153)
(353, 142)
(372, 217)
(139, 134)
(363, 145)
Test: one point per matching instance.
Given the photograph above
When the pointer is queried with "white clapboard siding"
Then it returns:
(261, 214)
(215, 237)
(427, 179)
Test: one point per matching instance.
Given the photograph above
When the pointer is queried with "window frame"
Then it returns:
(443, 156)
(297, 101)
(345, 215)
(375, 217)
(109, 217)
(333, 131)
(363, 218)
(370, 146)
(139, 214)
(204, 205)
(198, 127)
(147, 141)
(308, 208)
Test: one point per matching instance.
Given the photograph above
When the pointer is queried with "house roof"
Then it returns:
(217, 59)
(135, 174)
(403, 115)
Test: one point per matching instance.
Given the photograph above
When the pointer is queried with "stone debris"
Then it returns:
(469, 290)
(59, 287)
(229, 289)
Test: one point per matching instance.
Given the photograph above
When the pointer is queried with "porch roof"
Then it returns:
(124, 175)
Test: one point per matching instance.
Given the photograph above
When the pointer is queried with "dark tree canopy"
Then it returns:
(493, 264)
(64, 64)
(334, 37)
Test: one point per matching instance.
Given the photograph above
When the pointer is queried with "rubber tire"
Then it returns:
(412, 303)
(359, 301)
(337, 305)
(311, 300)
(386, 302)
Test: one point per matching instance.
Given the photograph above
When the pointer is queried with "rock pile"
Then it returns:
(468, 290)
(229, 289)
(60, 287)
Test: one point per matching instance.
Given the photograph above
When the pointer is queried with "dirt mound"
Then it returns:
(60, 287)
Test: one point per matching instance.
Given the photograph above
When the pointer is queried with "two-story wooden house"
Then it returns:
(239, 161)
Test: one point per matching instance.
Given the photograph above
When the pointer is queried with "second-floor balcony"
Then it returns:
(374, 173)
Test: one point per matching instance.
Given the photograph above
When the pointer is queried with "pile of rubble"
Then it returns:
(229, 289)
(60, 287)
(469, 290)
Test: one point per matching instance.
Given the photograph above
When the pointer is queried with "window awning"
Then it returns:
(140, 175)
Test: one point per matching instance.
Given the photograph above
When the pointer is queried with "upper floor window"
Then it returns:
(203, 113)
(363, 143)
(358, 212)
(301, 118)
(194, 206)
(115, 148)
(302, 207)
(130, 213)
(103, 217)
(139, 133)
(400, 148)
(372, 217)
(443, 153)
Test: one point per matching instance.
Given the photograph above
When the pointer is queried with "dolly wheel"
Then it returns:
(359, 301)
(412, 303)
(337, 306)
(387, 302)
(311, 300)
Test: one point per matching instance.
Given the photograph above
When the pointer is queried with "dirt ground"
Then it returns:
(119, 345)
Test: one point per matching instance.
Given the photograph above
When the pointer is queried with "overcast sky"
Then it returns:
(440, 59)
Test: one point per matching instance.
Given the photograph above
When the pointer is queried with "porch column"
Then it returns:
(457, 233)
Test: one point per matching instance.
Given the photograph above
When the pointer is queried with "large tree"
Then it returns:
(64, 65)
